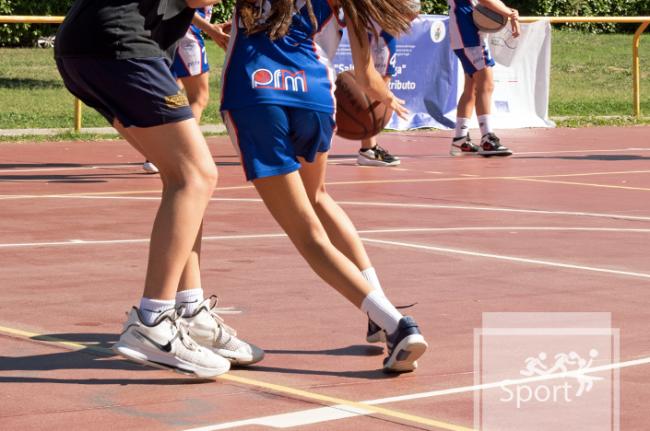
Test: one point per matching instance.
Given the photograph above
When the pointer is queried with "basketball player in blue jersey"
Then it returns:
(472, 49)
(383, 48)
(278, 105)
(190, 66)
(112, 54)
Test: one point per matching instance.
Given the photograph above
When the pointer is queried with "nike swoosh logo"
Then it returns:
(164, 347)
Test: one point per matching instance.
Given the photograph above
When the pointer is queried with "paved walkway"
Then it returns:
(210, 128)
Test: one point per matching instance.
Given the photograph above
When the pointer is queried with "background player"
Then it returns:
(278, 106)
(472, 49)
(383, 48)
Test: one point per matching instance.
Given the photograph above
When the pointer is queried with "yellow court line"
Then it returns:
(261, 384)
(344, 183)
(571, 183)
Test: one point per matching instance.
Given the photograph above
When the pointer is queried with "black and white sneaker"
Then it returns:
(463, 146)
(491, 146)
(405, 346)
(376, 156)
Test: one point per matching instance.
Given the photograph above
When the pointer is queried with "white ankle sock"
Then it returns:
(371, 277)
(150, 309)
(381, 311)
(462, 127)
(190, 299)
(484, 124)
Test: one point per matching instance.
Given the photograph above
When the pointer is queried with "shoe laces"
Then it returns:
(215, 311)
(182, 331)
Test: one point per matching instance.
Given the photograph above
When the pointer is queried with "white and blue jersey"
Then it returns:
(293, 71)
(462, 30)
(468, 43)
(384, 55)
(191, 58)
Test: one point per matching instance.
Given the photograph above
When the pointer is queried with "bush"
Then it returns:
(28, 34)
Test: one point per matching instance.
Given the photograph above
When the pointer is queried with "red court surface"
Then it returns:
(562, 226)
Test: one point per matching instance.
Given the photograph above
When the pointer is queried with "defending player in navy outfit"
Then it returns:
(113, 55)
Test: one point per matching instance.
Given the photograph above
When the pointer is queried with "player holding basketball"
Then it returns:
(191, 67)
(111, 55)
(472, 49)
(278, 106)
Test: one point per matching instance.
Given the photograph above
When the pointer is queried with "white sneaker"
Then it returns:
(209, 330)
(166, 345)
(149, 167)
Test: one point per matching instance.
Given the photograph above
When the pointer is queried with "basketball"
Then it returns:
(487, 20)
(358, 116)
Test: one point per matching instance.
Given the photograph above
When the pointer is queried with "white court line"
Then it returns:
(325, 414)
(71, 168)
(362, 203)
(366, 231)
(615, 150)
(447, 250)
(508, 258)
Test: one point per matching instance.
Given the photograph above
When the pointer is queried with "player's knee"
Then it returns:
(200, 178)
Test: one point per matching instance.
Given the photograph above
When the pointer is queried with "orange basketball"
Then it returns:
(357, 115)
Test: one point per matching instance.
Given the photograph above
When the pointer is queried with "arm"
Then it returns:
(499, 7)
(194, 4)
(217, 32)
(366, 75)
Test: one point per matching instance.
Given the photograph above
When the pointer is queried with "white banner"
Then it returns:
(521, 77)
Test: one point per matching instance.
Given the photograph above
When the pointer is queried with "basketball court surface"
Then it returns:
(562, 226)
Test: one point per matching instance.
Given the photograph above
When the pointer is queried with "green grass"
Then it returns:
(32, 94)
(591, 84)
(591, 75)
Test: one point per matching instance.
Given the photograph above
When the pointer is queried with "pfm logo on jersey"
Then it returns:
(280, 79)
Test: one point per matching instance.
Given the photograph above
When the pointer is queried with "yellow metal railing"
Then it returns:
(636, 69)
(644, 21)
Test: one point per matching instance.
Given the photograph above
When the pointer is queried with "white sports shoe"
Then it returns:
(149, 167)
(166, 345)
(209, 330)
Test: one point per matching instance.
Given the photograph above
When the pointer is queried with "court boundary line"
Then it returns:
(72, 242)
(364, 182)
(113, 195)
(343, 412)
(508, 258)
(367, 405)
(247, 381)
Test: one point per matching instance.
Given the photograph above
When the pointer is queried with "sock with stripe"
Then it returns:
(189, 299)
(150, 309)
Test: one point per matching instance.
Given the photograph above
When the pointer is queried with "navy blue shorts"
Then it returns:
(138, 92)
(270, 138)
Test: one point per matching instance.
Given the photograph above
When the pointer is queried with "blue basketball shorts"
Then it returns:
(138, 92)
(475, 58)
(270, 138)
(190, 58)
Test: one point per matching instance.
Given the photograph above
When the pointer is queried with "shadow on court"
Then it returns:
(356, 350)
(592, 157)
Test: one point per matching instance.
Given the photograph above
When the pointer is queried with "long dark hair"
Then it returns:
(393, 16)
(279, 20)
